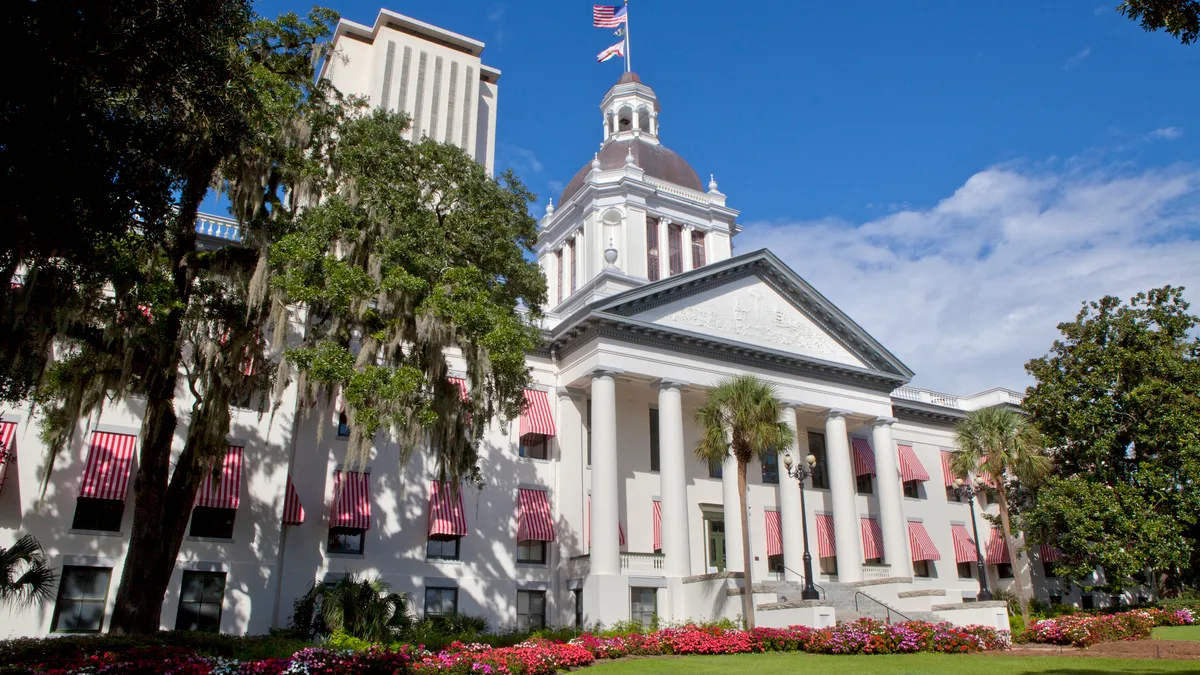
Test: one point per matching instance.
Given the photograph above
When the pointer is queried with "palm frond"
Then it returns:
(25, 579)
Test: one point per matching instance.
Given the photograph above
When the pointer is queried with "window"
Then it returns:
(589, 432)
(574, 263)
(440, 547)
(697, 250)
(578, 593)
(82, 594)
(558, 296)
(873, 561)
(775, 564)
(200, 597)
(1055, 599)
(952, 495)
(652, 249)
(346, 540)
(643, 605)
(912, 489)
(1086, 601)
(675, 244)
(533, 446)
(531, 610)
(531, 552)
(98, 514)
(829, 566)
(1048, 570)
(212, 522)
(440, 602)
(924, 569)
(653, 439)
(816, 448)
(716, 469)
(770, 468)
(343, 426)
(1004, 570)
(866, 484)
(964, 570)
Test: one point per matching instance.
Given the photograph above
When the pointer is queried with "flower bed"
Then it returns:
(538, 656)
(1085, 630)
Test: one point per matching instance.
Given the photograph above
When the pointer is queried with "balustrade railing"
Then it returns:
(642, 562)
(218, 227)
(877, 571)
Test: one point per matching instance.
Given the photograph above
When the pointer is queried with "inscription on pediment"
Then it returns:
(750, 311)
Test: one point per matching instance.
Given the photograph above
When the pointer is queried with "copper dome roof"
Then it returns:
(655, 159)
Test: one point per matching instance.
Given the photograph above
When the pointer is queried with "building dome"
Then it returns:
(655, 159)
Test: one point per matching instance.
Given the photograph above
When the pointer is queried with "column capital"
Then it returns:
(689, 227)
(882, 421)
(564, 392)
(792, 404)
(835, 413)
(666, 383)
(605, 372)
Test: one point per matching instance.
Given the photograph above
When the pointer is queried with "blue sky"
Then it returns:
(958, 176)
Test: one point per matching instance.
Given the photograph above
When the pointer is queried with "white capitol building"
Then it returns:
(648, 307)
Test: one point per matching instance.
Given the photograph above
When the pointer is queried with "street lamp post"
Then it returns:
(800, 472)
(968, 491)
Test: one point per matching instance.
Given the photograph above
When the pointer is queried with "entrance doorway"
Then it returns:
(714, 533)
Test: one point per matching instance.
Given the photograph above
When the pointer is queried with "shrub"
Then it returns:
(1085, 630)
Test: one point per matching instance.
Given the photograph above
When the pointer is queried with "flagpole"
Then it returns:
(628, 67)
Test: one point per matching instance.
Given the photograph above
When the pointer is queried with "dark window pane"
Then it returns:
(212, 522)
(82, 595)
(865, 484)
(533, 446)
(98, 514)
(912, 489)
(716, 469)
(964, 570)
(346, 540)
(440, 602)
(531, 552)
(816, 448)
(653, 439)
(443, 548)
(770, 468)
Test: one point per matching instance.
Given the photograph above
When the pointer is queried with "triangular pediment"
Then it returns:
(750, 311)
(756, 301)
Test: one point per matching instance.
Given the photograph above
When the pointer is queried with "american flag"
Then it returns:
(604, 16)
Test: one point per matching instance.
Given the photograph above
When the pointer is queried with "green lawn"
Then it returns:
(897, 664)
(1190, 633)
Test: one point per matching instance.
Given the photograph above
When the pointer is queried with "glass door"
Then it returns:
(714, 531)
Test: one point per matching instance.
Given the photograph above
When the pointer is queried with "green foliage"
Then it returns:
(363, 609)
(25, 579)
(1180, 18)
(342, 640)
(1117, 398)
(277, 644)
(413, 251)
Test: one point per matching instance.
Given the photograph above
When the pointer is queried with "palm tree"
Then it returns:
(365, 608)
(25, 579)
(742, 414)
(999, 442)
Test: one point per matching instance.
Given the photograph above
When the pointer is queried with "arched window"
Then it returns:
(675, 247)
(625, 119)
(643, 119)
(612, 122)
(652, 249)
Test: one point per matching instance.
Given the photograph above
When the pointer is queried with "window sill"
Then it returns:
(533, 565)
(339, 554)
(444, 561)
(96, 533)
(537, 460)
(915, 499)
(209, 540)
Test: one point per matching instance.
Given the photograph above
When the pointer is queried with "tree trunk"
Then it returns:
(1012, 555)
(748, 594)
(159, 519)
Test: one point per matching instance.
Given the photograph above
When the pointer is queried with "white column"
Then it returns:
(687, 247)
(673, 465)
(891, 504)
(733, 519)
(847, 531)
(606, 554)
(789, 500)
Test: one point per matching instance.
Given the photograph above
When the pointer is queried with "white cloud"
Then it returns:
(1167, 133)
(966, 292)
(522, 160)
(1079, 57)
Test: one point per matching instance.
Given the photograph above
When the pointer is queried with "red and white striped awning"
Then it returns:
(222, 489)
(8, 430)
(997, 548)
(774, 533)
(964, 545)
(535, 417)
(620, 528)
(351, 500)
(446, 514)
(534, 522)
(910, 466)
(826, 543)
(293, 511)
(864, 457)
(921, 544)
(872, 537)
(657, 525)
(1049, 554)
(106, 475)
(947, 472)
(461, 383)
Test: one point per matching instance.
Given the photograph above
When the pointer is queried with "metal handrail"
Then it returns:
(886, 608)
(819, 587)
